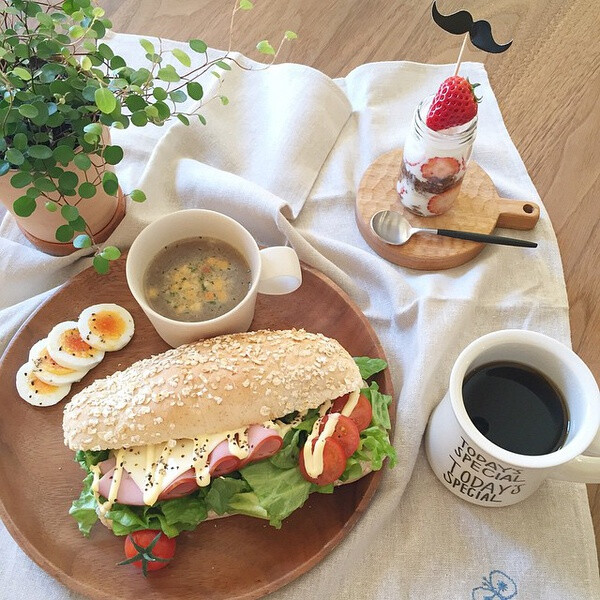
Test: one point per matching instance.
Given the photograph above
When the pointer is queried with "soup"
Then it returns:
(196, 279)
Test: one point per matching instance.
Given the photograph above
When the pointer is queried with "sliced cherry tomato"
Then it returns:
(346, 434)
(362, 413)
(334, 463)
(184, 485)
(148, 550)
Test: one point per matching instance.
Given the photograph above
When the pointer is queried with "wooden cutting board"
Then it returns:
(238, 557)
(478, 208)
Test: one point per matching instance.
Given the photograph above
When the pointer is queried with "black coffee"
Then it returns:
(516, 408)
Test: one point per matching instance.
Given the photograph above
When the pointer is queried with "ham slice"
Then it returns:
(263, 442)
(221, 461)
(129, 492)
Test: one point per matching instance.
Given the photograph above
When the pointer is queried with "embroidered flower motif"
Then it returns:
(498, 586)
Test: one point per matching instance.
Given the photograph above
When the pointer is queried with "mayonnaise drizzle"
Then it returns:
(313, 456)
(351, 403)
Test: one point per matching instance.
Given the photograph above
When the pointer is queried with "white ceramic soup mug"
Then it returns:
(274, 270)
(481, 472)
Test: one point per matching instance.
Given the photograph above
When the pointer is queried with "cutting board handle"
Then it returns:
(517, 214)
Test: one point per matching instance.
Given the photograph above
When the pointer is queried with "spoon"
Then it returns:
(393, 228)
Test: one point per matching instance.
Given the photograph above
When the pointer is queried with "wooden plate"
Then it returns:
(478, 208)
(237, 557)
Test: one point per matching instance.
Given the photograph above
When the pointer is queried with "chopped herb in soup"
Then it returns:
(196, 279)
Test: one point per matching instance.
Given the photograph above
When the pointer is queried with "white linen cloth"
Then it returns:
(285, 158)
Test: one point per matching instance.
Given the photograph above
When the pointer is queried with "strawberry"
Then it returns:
(443, 202)
(454, 104)
(440, 167)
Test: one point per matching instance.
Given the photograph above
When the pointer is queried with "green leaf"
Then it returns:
(105, 100)
(4, 167)
(105, 51)
(137, 196)
(246, 5)
(44, 184)
(24, 206)
(86, 63)
(160, 93)
(221, 491)
(111, 253)
(63, 154)
(369, 366)
(198, 46)
(94, 128)
(101, 265)
(78, 224)
(83, 510)
(224, 100)
(189, 509)
(98, 12)
(135, 102)
(183, 119)
(168, 74)
(117, 62)
(265, 48)
(51, 206)
(69, 213)
(379, 403)
(279, 491)
(112, 154)
(178, 96)
(76, 31)
(202, 119)
(147, 45)
(82, 161)
(64, 233)
(110, 183)
(21, 179)
(82, 241)
(39, 151)
(14, 156)
(24, 74)
(20, 141)
(28, 110)
(32, 192)
(87, 190)
(68, 181)
(194, 90)
(182, 57)
(139, 118)
(223, 65)
(290, 35)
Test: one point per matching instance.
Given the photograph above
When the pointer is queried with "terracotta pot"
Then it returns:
(102, 213)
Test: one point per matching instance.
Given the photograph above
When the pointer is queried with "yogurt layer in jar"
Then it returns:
(433, 164)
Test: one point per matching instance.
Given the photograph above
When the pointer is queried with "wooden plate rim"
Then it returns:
(82, 587)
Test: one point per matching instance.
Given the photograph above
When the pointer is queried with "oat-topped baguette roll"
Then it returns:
(214, 385)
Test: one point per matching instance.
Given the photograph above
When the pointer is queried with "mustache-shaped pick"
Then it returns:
(480, 32)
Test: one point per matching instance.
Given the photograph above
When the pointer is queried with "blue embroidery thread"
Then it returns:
(498, 586)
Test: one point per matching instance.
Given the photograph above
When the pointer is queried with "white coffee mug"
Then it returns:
(275, 270)
(481, 472)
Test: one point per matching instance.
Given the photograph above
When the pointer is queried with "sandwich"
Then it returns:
(248, 423)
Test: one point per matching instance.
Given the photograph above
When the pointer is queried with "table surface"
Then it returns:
(547, 86)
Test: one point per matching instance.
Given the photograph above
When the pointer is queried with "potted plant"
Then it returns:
(62, 89)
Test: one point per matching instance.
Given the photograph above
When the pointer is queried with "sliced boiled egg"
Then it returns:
(66, 347)
(106, 326)
(46, 369)
(35, 391)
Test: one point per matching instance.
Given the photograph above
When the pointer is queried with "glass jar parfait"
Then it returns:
(434, 164)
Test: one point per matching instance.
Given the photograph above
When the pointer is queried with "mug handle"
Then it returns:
(280, 271)
(583, 468)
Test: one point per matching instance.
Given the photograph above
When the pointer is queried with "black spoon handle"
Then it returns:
(487, 239)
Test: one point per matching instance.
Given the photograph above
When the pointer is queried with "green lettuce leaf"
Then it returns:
(279, 491)
(369, 366)
(379, 403)
(83, 510)
(221, 491)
